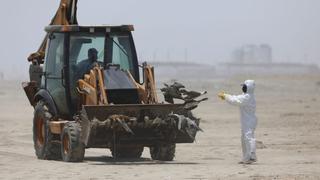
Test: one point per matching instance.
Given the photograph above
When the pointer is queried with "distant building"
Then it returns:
(253, 54)
(266, 53)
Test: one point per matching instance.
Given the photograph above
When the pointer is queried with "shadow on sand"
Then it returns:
(106, 160)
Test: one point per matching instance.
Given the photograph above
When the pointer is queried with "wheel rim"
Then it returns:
(66, 144)
(40, 131)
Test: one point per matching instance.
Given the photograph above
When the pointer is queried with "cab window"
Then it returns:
(119, 51)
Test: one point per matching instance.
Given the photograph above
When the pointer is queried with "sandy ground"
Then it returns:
(289, 128)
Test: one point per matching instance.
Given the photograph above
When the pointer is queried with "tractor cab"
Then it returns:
(73, 50)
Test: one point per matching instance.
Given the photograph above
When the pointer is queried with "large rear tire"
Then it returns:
(133, 152)
(72, 149)
(163, 152)
(45, 144)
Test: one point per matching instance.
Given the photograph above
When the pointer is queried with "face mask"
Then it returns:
(244, 88)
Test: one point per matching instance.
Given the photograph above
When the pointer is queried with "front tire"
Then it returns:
(45, 144)
(163, 152)
(72, 149)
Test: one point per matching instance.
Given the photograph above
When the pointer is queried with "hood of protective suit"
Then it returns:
(250, 86)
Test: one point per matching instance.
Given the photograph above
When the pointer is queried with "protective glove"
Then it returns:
(222, 95)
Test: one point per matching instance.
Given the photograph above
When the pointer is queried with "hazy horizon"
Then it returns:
(204, 31)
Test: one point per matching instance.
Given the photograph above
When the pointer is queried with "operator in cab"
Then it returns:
(85, 66)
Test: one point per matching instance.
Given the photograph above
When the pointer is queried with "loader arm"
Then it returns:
(91, 87)
(147, 90)
(65, 15)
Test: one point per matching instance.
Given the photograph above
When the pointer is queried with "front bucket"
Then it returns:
(145, 129)
(102, 112)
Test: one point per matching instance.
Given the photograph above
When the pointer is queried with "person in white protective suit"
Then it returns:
(247, 104)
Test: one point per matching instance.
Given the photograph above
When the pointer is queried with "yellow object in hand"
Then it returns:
(222, 95)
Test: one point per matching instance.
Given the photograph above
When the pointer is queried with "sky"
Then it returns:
(203, 31)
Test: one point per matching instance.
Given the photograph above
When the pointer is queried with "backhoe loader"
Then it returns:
(89, 91)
